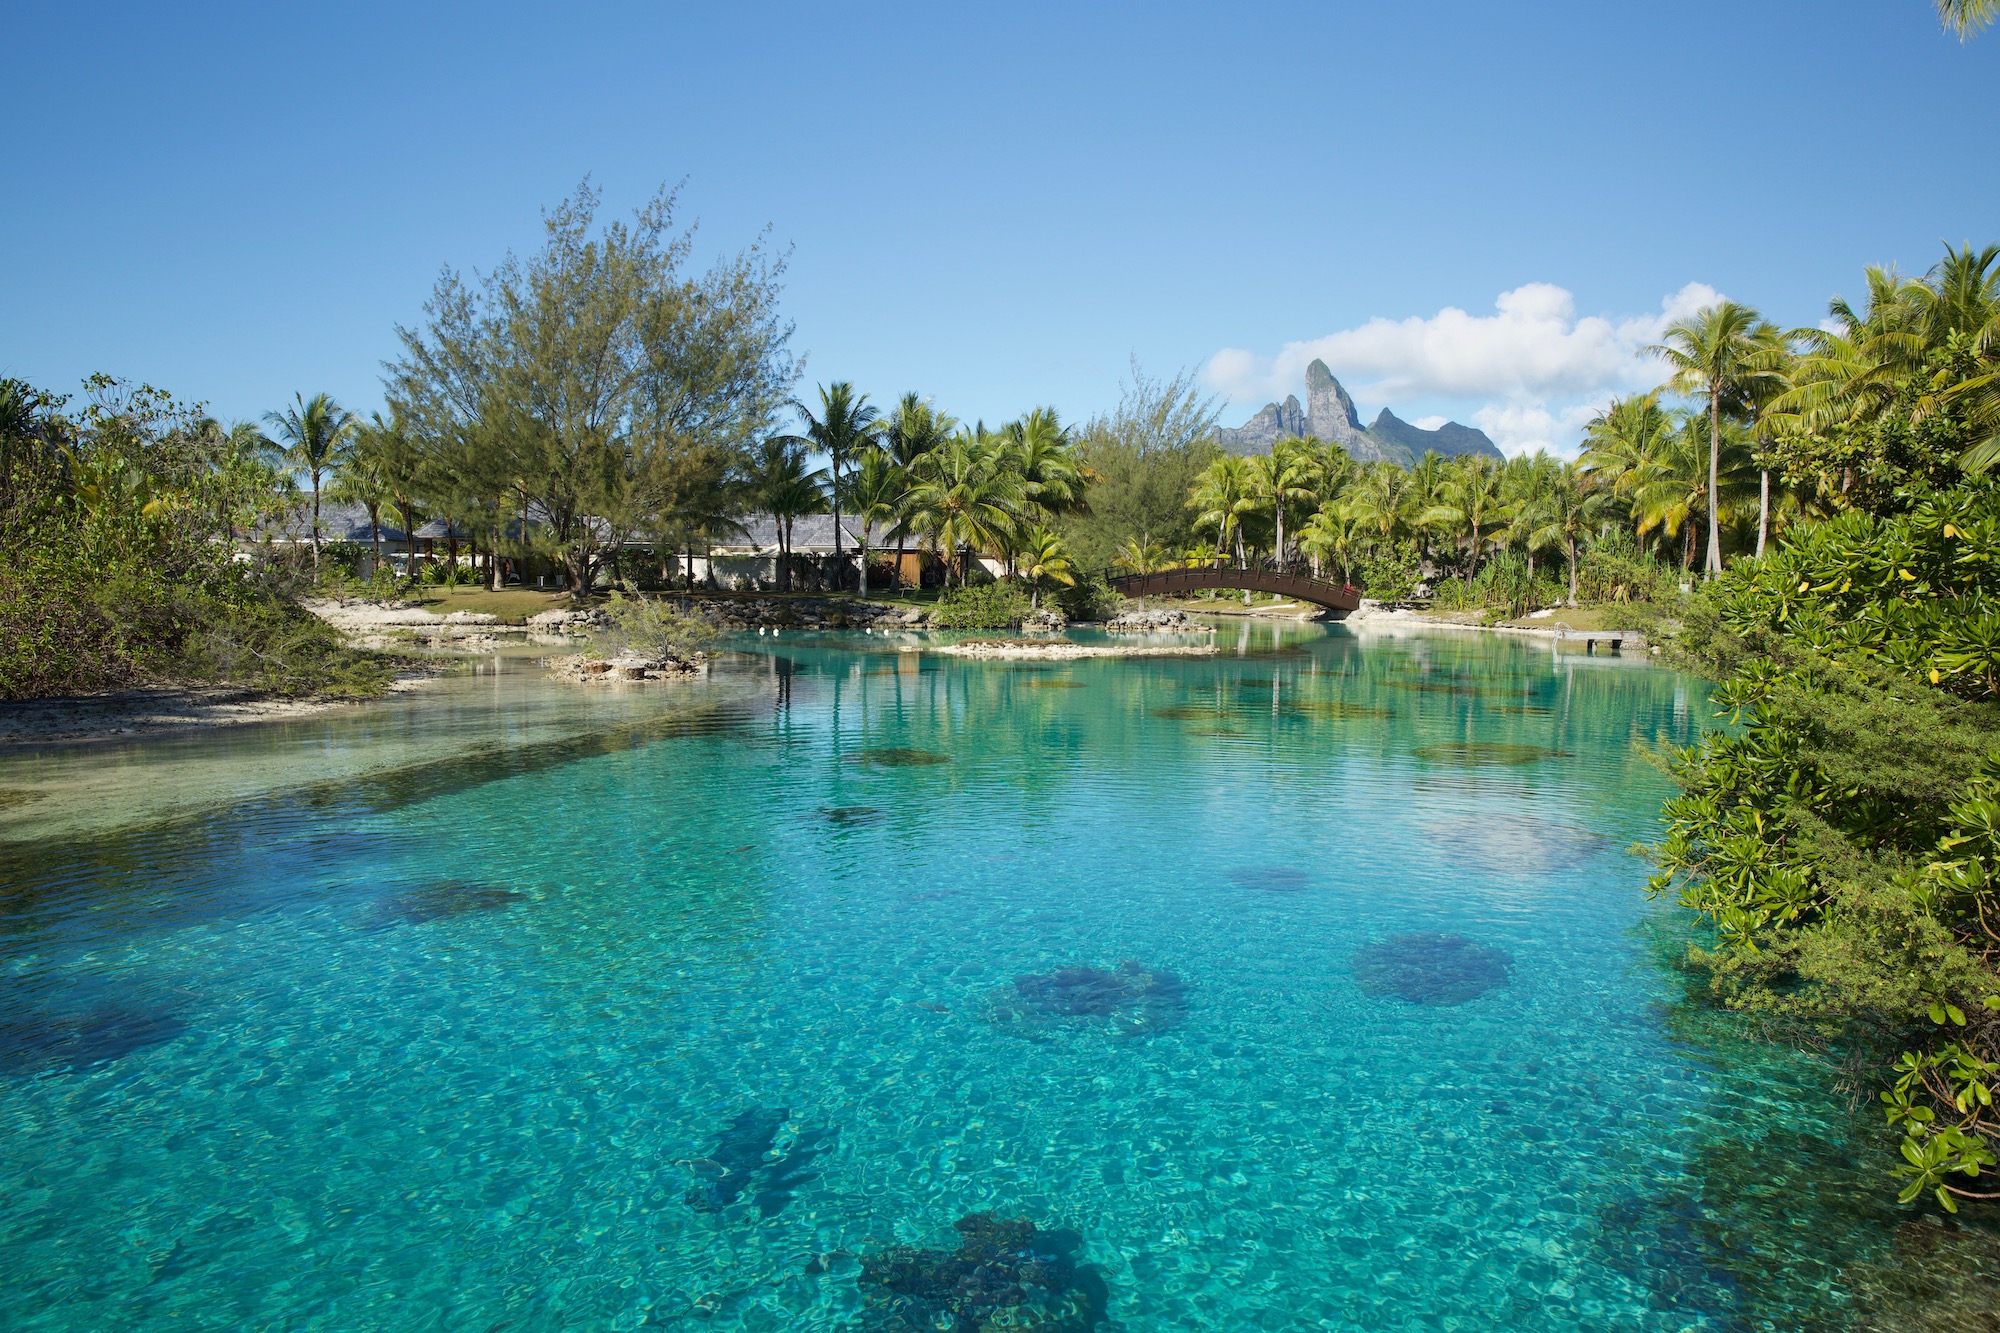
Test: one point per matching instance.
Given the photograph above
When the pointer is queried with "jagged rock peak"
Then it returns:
(1450, 439)
(1329, 415)
(1330, 412)
(1276, 422)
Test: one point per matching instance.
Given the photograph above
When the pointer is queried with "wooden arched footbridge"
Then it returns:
(1180, 582)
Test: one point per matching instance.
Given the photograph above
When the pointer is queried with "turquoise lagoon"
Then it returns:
(1310, 985)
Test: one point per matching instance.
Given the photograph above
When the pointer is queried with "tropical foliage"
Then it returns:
(116, 567)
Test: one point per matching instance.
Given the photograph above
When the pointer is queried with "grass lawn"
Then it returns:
(512, 605)
(1581, 617)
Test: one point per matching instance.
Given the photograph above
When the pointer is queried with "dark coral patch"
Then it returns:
(37, 1041)
(849, 816)
(1431, 968)
(1132, 996)
(1476, 754)
(748, 1158)
(898, 756)
(1192, 713)
(436, 902)
(1005, 1274)
(1335, 708)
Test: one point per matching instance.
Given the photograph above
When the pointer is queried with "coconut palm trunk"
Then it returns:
(1714, 562)
(1763, 510)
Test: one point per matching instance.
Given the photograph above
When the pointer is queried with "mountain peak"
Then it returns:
(1329, 415)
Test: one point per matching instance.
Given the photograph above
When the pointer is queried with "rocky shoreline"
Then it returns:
(626, 670)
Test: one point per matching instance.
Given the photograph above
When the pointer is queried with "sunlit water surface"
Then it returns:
(1310, 985)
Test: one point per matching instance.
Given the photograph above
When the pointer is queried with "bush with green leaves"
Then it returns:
(1615, 570)
(1503, 585)
(651, 628)
(1090, 598)
(115, 568)
(1391, 572)
(1841, 840)
(983, 606)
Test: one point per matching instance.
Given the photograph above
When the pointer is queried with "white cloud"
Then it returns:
(1429, 423)
(1532, 368)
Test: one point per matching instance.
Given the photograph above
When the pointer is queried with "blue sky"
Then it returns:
(995, 205)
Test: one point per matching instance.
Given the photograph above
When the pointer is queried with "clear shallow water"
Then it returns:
(474, 1011)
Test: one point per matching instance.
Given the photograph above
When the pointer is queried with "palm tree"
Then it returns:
(1330, 537)
(1467, 507)
(1046, 458)
(1568, 516)
(965, 499)
(1524, 480)
(1775, 362)
(1967, 17)
(362, 478)
(1619, 439)
(914, 429)
(1719, 354)
(1379, 501)
(1141, 556)
(787, 489)
(1042, 556)
(844, 426)
(311, 432)
(1220, 499)
(1280, 479)
(876, 491)
(240, 473)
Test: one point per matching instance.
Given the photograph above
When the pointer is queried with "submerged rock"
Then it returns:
(1334, 708)
(848, 816)
(1133, 997)
(1005, 1274)
(1431, 968)
(1474, 754)
(435, 902)
(742, 1160)
(40, 1041)
(1193, 712)
(901, 757)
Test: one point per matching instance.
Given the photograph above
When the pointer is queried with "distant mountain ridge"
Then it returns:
(1329, 415)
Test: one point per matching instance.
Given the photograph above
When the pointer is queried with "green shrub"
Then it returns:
(1841, 842)
(1615, 570)
(650, 628)
(1090, 599)
(991, 606)
(116, 568)
(1392, 573)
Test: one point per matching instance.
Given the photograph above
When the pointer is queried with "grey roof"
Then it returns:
(811, 535)
(337, 523)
